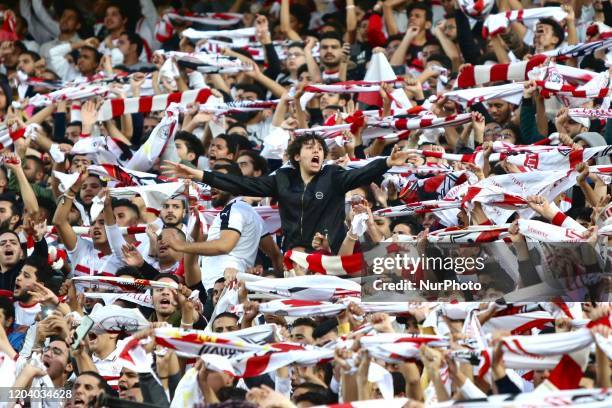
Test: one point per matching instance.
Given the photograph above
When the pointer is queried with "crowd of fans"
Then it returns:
(192, 194)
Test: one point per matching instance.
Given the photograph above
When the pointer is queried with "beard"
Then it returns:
(221, 200)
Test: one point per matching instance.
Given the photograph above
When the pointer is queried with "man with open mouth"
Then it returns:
(310, 194)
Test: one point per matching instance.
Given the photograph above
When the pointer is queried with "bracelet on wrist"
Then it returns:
(352, 237)
(186, 324)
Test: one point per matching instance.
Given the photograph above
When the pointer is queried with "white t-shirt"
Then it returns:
(242, 218)
(26, 315)
(110, 367)
(87, 260)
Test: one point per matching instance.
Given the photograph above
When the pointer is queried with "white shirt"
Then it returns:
(26, 315)
(110, 367)
(242, 218)
(87, 260)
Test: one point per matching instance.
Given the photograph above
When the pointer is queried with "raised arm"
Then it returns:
(285, 22)
(60, 218)
(13, 163)
(250, 186)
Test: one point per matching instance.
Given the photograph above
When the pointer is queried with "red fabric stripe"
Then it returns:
(534, 62)
(203, 95)
(567, 374)
(466, 77)
(531, 324)
(426, 122)
(174, 97)
(352, 263)
(18, 134)
(315, 263)
(145, 104)
(499, 72)
(256, 365)
(559, 219)
(117, 107)
(82, 268)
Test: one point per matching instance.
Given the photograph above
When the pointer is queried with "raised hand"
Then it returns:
(172, 169)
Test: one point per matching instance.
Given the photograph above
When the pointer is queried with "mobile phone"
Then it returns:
(81, 331)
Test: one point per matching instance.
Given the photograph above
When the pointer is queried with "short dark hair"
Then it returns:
(296, 146)
(325, 327)
(194, 144)
(236, 125)
(166, 275)
(101, 381)
(421, 6)
(74, 9)
(301, 13)
(255, 88)
(134, 38)
(44, 273)
(231, 168)
(37, 160)
(9, 308)
(11, 198)
(442, 59)
(129, 271)
(557, 29)
(97, 54)
(226, 314)
(178, 231)
(48, 204)
(259, 163)
(304, 321)
(75, 123)
(331, 35)
(314, 398)
(514, 129)
(124, 202)
(232, 143)
(35, 56)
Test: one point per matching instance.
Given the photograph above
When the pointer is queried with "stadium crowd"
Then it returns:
(193, 195)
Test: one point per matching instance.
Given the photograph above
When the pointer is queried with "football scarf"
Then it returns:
(317, 287)
(498, 23)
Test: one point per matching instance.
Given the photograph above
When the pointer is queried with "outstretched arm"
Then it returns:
(250, 186)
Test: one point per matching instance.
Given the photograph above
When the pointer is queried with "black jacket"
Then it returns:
(7, 279)
(304, 209)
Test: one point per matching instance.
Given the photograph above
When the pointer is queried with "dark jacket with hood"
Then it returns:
(305, 209)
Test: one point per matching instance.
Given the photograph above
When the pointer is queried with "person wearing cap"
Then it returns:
(571, 125)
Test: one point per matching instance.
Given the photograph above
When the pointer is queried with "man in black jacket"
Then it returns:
(310, 195)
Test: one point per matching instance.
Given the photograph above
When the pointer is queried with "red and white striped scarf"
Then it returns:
(502, 195)
(562, 158)
(209, 63)
(590, 113)
(511, 93)
(471, 75)
(546, 232)
(419, 207)
(238, 34)
(325, 264)
(318, 287)
(283, 354)
(112, 108)
(197, 342)
(471, 234)
(295, 308)
(498, 23)
(115, 284)
(127, 177)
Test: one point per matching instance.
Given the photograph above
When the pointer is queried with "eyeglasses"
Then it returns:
(56, 351)
(294, 54)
